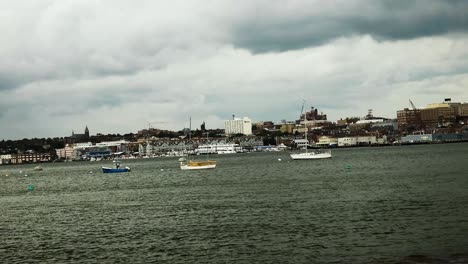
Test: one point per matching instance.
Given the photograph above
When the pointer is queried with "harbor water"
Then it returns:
(365, 205)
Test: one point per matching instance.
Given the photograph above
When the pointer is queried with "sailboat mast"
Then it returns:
(305, 126)
(305, 135)
(208, 152)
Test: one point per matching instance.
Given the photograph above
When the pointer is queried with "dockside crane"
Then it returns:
(412, 105)
(302, 110)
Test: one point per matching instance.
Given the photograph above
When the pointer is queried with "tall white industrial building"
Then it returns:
(238, 126)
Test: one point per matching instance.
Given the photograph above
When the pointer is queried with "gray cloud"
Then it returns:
(309, 25)
(116, 65)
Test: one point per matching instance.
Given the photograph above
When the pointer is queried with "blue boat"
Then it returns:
(115, 170)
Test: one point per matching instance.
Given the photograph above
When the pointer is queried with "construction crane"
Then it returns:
(412, 105)
(302, 110)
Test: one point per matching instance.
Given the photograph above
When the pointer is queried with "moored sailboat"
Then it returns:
(316, 154)
(188, 164)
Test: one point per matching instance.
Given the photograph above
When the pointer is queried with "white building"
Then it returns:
(364, 140)
(238, 126)
(65, 153)
(370, 121)
(117, 143)
(82, 145)
(146, 149)
(5, 159)
(301, 143)
(325, 141)
(347, 141)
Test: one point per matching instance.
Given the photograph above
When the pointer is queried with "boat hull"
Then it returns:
(115, 170)
(311, 156)
(200, 165)
(187, 167)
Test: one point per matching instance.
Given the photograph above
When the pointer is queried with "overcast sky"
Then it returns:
(117, 65)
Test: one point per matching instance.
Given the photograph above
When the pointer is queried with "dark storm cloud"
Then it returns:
(383, 20)
(115, 65)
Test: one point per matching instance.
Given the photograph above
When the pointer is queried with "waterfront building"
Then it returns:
(325, 141)
(82, 145)
(409, 118)
(438, 114)
(145, 149)
(114, 146)
(30, 158)
(5, 159)
(238, 126)
(65, 153)
(301, 143)
(437, 137)
(347, 141)
(461, 112)
(93, 153)
(423, 138)
(366, 140)
(464, 110)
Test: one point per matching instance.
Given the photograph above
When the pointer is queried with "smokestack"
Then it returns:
(233, 117)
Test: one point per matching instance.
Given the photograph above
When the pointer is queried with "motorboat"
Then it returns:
(316, 154)
(115, 170)
(197, 165)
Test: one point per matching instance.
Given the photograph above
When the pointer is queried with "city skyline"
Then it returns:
(117, 66)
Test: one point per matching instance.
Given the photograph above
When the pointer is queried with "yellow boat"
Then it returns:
(197, 165)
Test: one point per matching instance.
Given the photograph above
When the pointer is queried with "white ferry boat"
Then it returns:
(218, 149)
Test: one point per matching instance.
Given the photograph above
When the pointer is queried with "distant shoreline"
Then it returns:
(394, 145)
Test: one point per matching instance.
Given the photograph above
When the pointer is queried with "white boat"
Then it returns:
(315, 154)
(218, 149)
(231, 151)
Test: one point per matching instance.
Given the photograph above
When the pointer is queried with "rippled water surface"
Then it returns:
(365, 205)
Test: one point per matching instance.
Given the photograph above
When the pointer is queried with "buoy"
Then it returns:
(348, 167)
(30, 187)
(162, 169)
(90, 172)
(279, 159)
(25, 175)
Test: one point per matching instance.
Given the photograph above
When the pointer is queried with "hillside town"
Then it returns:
(442, 122)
